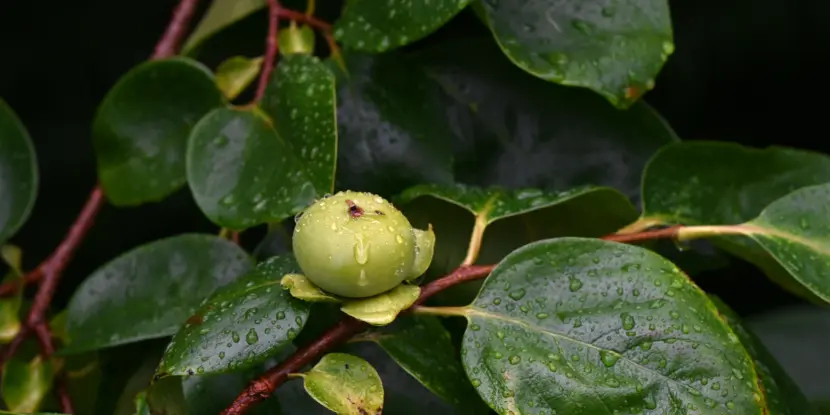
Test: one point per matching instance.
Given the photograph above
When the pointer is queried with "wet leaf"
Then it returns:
(614, 49)
(141, 129)
(391, 134)
(345, 384)
(235, 74)
(239, 326)
(25, 384)
(577, 325)
(211, 394)
(383, 308)
(301, 101)
(422, 347)
(149, 291)
(783, 397)
(519, 131)
(19, 180)
(717, 183)
(220, 14)
(378, 26)
(296, 40)
(301, 288)
(242, 173)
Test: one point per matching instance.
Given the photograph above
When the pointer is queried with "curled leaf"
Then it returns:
(302, 288)
(382, 309)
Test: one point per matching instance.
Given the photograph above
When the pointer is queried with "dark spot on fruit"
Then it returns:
(347, 365)
(377, 212)
(355, 211)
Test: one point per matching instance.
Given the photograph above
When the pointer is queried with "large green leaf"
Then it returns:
(220, 14)
(18, 173)
(615, 49)
(141, 128)
(301, 100)
(783, 397)
(392, 133)
(242, 173)
(422, 347)
(345, 384)
(149, 291)
(519, 131)
(378, 26)
(580, 326)
(239, 326)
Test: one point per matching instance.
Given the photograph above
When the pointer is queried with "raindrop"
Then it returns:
(627, 321)
(518, 294)
(575, 284)
(514, 360)
(235, 337)
(251, 337)
(608, 359)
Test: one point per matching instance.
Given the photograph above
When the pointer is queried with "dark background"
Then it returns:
(743, 71)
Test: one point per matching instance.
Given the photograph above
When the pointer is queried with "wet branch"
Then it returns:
(272, 47)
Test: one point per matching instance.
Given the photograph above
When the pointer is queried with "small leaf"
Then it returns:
(345, 384)
(296, 40)
(422, 347)
(25, 384)
(13, 257)
(301, 100)
(10, 312)
(564, 138)
(783, 397)
(220, 14)
(149, 291)
(379, 26)
(19, 180)
(614, 49)
(242, 173)
(382, 309)
(141, 128)
(577, 325)
(391, 135)
(235, 74)
(239, 326)
(301, 288)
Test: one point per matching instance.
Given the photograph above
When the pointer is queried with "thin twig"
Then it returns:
(262, 387)
(272, 46)
(304, 18)
(172, 38)
(11, 288)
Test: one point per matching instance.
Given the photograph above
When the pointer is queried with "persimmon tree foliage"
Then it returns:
(510, 178)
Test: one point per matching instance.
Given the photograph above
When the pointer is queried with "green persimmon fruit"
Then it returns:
(357, 245)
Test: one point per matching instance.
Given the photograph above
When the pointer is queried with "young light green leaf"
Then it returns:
(296, 40)
(220, 14)
(423, 348)
(140, 130)
(241, 325)
(576, 325)
(10, 311)
(382, 309)
(301, 101)
(379, 26)
(242, 173)
(25, 384)
(614, 49)
(782, 395)
(149, 291)
(235, 74)
(19, 180)
(301, 288)
(345, 384)
(569, 137)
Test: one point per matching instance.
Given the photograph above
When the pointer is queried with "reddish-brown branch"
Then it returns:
(665, 233)
(169, 43)
(304, 18)
(11, 288)
(272, 47)
(262, 387)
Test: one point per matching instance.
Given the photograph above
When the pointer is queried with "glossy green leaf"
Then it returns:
(211, 394)
(614, 49)
(345, 384)
(383, 308)
(296, 40)
(220, 14)
(239, 326)
(25, 384)
(519, 131)
(783, 397)
(149, 291)
(141, 129)
(301, 288)
(422, 347)
(391, 135)
(18, 173)
(577, 325)
(301, 101)
(378, 26)
(141, 405)
(235, 74)
(242, 173)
